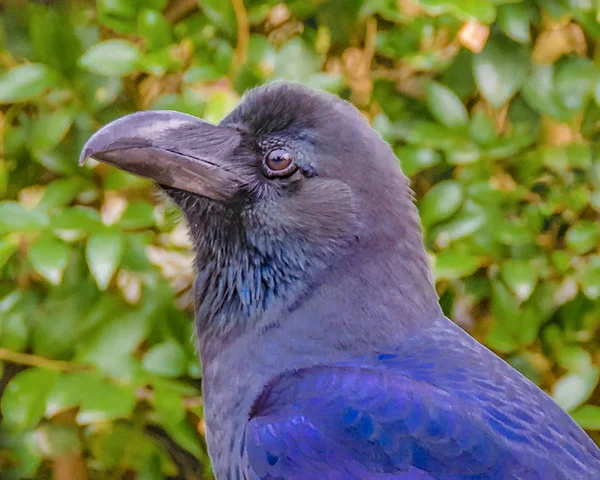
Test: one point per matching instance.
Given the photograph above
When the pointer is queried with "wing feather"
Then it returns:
(405, 416)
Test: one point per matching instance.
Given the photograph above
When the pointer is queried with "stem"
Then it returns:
(177, 10)
(243, 34)
(370, 38)
(188, 402)
(37, 361)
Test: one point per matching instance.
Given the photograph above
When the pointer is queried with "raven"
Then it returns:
(324, 350)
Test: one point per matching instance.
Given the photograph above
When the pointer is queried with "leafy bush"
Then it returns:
(492, 106)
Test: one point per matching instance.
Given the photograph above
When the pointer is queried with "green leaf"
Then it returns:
(63, 312)
(183, 434)
(168, 404)
(459, 76)
(99, 91)
(122, 447)
(574, 358)
(49, 257)
(527, 365)
(451, 265)
(167, 359)
(155, 29)
(98, 399)
(583, 236)
(25, 82)
(505, 310)
(430, 135)
(112, 58)
(59, 193)
(24, 400)
(561, 260)
(222, 56)
(16, 312)
(54, 160)
(574, 83)
(483, 10)
(469, 220)
(220, 104)
(110, 345)
(49, 129)
(117, 179)
(539, 92)
(78, 218)
(520, 276)
(14, 218)
(445, 105)
(68, 391)
(587, 417)
(463, 153)
(24, 455)
(118, 8)
(501, 69)
(14, 142)
(106, 401)
(528, 318)
(589, 279)
(482, 129)
(57, 440)
(103, 252)
(220, 14)
(441, 202)
(514, 20)
(382, 125)
(295, 61)
(194, 369)
(414, 160)
(326, 82)
(138, 215)
(135, 257)
(203, 73)
(8, 246)
(152, 470)
(53, 37)
(574, 389)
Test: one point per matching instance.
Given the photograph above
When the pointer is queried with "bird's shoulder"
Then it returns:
(441, 406)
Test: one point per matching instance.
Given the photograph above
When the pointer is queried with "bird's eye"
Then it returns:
(279, 163)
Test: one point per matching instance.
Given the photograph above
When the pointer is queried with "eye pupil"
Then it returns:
(279, 160)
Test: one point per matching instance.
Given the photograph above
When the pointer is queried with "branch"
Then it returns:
(243, 34)
(177, 10)
(37, 361)
(370, 39)
(188, 402)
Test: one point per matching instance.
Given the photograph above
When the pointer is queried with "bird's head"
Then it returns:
(287, 184)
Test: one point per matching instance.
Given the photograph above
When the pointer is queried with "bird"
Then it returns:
(325, 352)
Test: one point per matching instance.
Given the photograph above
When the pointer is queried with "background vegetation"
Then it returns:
(492, 106)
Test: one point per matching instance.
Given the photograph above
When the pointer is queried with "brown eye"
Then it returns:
(279, 163)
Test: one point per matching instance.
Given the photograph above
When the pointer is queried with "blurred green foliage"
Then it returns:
(492, 106)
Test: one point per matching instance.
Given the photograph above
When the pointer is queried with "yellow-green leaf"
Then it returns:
(49, 256)
(112, 58)
(445, 105)
(441, 202)
(25, 82)
(24, 400)
(501, 69)
(104, 251)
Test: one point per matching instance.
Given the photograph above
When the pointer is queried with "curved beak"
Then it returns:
(173, 149)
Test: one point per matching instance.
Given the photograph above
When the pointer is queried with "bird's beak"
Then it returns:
(173, 149)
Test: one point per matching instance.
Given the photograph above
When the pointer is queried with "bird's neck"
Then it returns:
(387, 282)
(239, 279)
